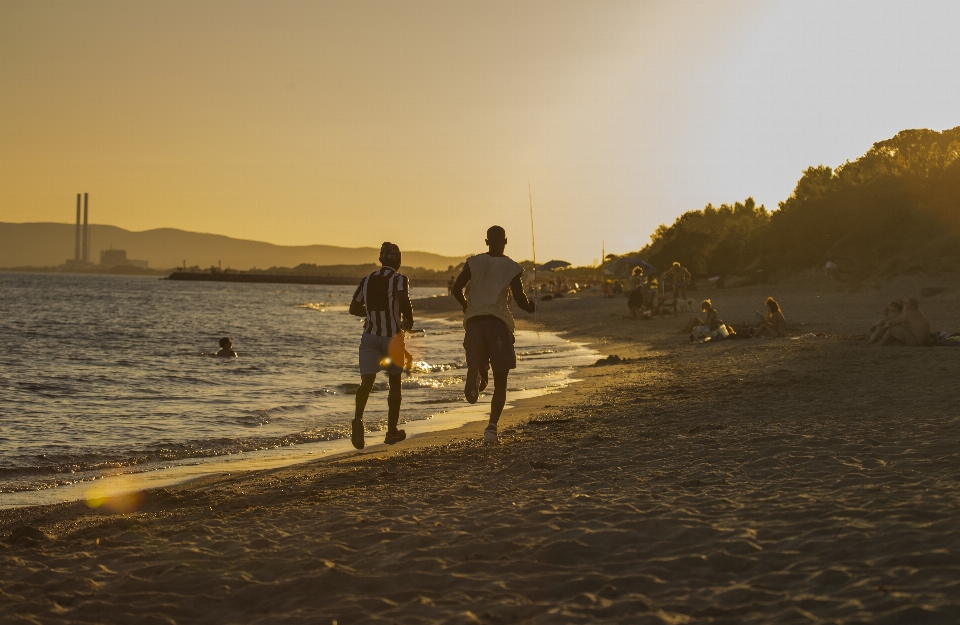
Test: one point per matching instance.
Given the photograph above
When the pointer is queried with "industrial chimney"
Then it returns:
(76, 251)
(86, 231)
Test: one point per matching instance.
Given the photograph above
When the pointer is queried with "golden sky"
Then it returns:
(350, 123)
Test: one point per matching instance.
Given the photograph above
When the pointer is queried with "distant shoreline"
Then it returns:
(266, 278)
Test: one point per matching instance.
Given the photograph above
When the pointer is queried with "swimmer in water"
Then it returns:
(226, 349)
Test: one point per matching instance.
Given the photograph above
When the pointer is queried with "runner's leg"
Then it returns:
(393, 402)
(363, 393)
(499, 395)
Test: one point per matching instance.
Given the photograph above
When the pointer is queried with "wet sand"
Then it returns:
(767, 481)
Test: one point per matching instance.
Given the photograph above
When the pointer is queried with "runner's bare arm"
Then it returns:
(406, 309)
(461, 282)
(356, 304)
(516, 287)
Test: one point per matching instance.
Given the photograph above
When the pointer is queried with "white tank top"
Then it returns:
(490, 278)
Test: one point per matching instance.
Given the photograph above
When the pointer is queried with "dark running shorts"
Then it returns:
(488, 339)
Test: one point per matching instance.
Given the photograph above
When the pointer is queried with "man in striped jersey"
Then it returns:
(383, 300)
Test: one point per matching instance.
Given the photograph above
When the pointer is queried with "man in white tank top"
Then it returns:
(488, 321)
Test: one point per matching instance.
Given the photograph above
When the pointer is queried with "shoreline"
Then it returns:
(753, 481)
(129, 481)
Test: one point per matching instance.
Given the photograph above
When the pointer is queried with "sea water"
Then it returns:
(115, 375)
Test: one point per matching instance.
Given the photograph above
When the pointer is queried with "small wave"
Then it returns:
(415, 383)
(422, 366)
(546, 351)
(61, 469)
(317, 306)
(47, 390)
(281, 409)
(265, 416)
(327, 391)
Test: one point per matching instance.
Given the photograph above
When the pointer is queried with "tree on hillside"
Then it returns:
(890, 207)
(710, 241)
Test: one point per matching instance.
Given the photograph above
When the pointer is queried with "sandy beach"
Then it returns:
(749, 481)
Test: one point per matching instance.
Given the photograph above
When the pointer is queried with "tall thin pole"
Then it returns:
(76, 251)
(86, 231)
(533, 244)
(603, 258)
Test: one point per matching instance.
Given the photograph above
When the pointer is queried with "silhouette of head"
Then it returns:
(496, 238)
(773, 305)
(390, 255)
(225, 343)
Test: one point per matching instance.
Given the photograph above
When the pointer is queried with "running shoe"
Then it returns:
(356, 437)
(490, 434)
(395, 437)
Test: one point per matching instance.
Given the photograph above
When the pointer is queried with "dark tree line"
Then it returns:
(895, 209)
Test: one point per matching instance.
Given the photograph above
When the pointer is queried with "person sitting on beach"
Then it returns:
(383, 300)
(775, 325)
(681, 277)
(636, 302)
(637, 280)
(488, 321)
(226, 348)
(911, 328)
(877, 330)
(711, 321)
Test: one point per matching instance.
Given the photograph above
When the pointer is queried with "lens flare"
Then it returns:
(116, 496)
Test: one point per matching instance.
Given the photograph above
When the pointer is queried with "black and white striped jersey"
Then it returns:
(384, 294)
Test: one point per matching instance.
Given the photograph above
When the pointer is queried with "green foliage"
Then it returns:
(711, 241)
(896, 207)
(891, 203)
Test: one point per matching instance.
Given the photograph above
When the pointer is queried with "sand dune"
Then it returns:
(766, 481)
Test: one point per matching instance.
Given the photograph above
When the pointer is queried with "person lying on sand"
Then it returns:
(226, 348)
(488, 321)
(877, 330)
(775, 325)
(383, 300)
(711, 319)
(911, 328)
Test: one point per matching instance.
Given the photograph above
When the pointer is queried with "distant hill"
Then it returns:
(50, 244)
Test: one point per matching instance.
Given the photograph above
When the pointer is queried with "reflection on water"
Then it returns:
(105, 373)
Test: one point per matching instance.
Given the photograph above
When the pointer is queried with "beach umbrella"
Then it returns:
(553, 264)
(625, 265)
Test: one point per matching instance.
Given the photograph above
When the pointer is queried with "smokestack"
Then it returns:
(86, 231)
(76, 251)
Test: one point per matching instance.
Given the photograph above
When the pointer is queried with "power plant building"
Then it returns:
(117, 258)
